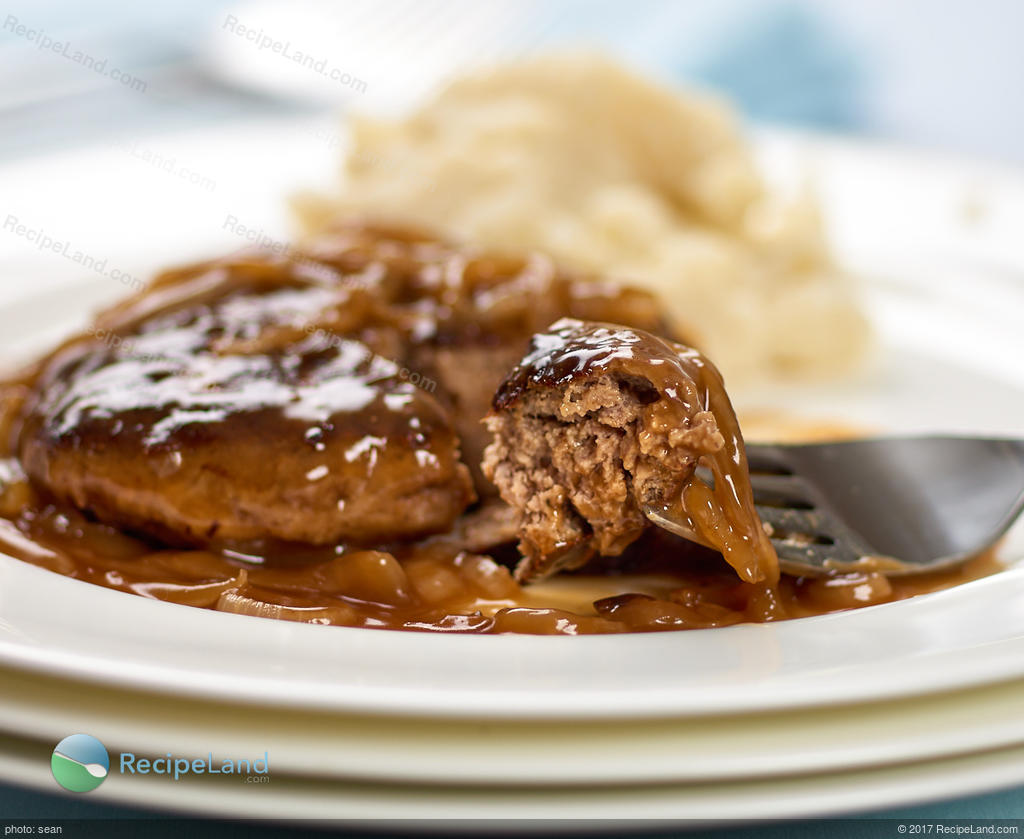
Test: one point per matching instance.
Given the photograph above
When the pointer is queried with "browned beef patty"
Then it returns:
(320, 443)
(329, 395)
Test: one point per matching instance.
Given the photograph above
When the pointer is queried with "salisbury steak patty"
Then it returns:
(316, 395)
(317, 441)
(600, 421)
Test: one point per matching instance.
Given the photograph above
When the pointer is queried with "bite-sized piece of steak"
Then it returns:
(600, 421)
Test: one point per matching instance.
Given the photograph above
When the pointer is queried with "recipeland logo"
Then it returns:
(80, 763)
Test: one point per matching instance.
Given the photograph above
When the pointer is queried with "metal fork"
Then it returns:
(902, 505)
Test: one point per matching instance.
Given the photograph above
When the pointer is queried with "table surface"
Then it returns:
(19, 803)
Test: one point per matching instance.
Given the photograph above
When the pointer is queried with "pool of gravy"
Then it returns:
(660, 583)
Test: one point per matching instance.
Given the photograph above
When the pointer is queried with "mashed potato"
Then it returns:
(575, 156)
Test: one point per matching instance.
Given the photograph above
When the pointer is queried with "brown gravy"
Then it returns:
(396, 293)
(661, 583)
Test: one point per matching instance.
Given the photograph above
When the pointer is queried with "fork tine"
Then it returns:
(789, 521)
(778, 490)
(768, 459)
(813, 541)
(801, 560)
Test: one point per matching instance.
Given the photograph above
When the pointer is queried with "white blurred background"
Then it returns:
(944, 75)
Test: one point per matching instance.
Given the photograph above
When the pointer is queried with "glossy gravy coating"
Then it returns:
(685, 394)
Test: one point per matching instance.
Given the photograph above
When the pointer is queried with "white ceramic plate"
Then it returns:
(939, 244)
(389, 750)
(322, 792)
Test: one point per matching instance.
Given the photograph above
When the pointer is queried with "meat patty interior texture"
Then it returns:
(599, 421)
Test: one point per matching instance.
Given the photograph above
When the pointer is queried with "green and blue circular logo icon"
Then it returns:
(80, 763)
